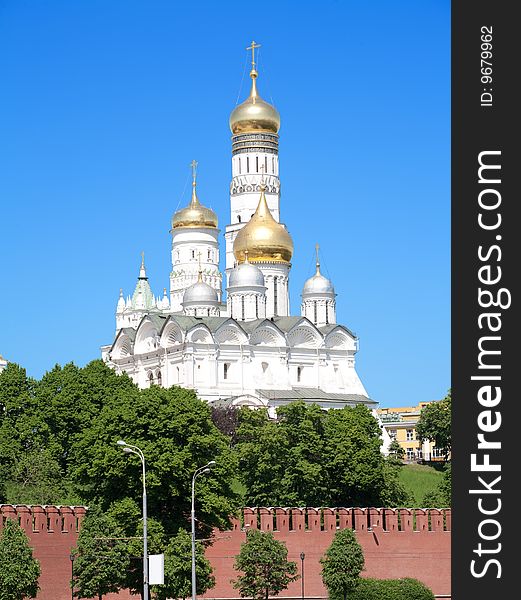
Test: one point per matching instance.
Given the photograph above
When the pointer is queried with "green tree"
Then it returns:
(178, 569)
(264, 563)
(434, 423)
(312, 458)
(174, 430)
(102, 556)
(396, 452)
(19, 571)
(342, 564)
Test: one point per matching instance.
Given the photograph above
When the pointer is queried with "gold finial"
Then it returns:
(252, 48)
(318, 260)
(195, 199)
(193, 164)
(143, 260)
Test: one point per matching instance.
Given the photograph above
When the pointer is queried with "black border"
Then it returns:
(477, 128)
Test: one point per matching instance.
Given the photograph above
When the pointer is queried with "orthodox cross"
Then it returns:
(252, 48)
(193, 164)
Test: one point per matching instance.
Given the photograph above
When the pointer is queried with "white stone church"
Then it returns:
(247, 350)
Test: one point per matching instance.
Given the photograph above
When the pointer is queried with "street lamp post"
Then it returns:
(199, 471)
(129, 449)
(302, 557)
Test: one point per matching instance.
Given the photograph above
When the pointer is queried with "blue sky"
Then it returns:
(104, 104)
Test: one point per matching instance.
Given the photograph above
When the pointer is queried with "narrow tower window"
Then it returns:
(247, 164)
(257, 164)
(242, 307)
(239, 219)
(265, 164)
(256, 307)
(327, 314)
(239, 166)
(225, 371)
(150, 379)
(273, 165)
(315, 319)
(159, 379)
(275, 296)
(209, 254)
(299, 374)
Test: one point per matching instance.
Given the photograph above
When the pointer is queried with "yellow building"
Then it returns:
(400, 424)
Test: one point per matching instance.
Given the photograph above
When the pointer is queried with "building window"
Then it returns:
(247, 164)
(193, 253)
(392, 433)
(315, 312)
(150, 379)
(225, 370)
(327, 313)
(209, 254)
(275, 296)
(273, 165)
(410, 453)
(299, 373)
(419, 453)
(242, 307)
(410, 435)
(239, 219)
(159, 378)
(257, 164)
(256, 307)
(239, 166)
(437, 453)
(265, 164)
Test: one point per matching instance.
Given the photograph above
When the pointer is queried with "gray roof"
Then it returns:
(301, 393)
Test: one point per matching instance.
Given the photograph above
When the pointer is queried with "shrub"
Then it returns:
(391, 589)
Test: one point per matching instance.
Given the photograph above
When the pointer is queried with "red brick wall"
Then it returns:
(412, 543)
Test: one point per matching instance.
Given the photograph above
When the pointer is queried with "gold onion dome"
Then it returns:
(254, 114)
(195, 214)
(262, 239)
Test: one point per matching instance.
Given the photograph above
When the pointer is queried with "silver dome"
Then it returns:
(246, 275)
(318, 284)
(200, 293)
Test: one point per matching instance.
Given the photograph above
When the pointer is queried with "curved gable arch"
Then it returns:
(340, 339)
(147, 338)
(122, 347)
(172, 335)
(199, 334)
(305, 335)
(230, 332)
(267, 334)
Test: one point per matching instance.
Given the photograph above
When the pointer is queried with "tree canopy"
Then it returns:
(265, 568)
(19, 571)
(434, 423)
(309, 457)
(342, 564)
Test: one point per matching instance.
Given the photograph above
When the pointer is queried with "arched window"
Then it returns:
(226, 367)
(150, 379)
(159, 378)
(299, 373)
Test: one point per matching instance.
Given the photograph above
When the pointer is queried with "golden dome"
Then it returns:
(254, 114)
(195, 214)
(262, 238)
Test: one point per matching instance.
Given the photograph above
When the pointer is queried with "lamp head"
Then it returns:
(121, 443)
(128, 450)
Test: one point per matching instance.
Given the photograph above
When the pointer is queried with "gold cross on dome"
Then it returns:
(252, 48)
(193, 164)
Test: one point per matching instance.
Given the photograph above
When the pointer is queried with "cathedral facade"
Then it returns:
(246, 350)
